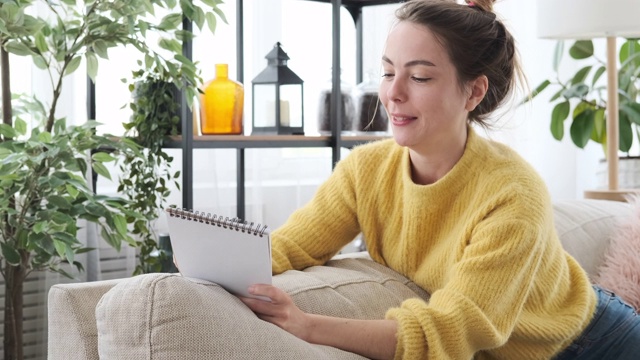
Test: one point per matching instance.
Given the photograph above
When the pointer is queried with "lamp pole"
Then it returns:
(612, 113)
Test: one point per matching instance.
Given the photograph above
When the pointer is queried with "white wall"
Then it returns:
(280, 180)
(567, 170)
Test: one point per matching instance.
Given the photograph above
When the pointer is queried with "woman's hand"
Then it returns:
(281, 311)
(374, 339)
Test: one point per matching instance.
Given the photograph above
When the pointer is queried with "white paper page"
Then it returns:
(230, 258)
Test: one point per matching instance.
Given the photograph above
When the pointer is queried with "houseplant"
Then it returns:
(43, 161)
(582, 97)
(146, 176)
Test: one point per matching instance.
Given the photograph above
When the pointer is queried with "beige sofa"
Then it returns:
(164, 316)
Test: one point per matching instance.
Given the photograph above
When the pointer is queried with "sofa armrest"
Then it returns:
(72, 321)
(585, 227)
(166, 316)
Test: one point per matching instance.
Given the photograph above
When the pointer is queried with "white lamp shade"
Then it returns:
(588, 19)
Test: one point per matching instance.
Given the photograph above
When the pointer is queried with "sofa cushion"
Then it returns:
(166, 316)
(585, 227)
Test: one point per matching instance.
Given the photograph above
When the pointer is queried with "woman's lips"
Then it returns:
(401, 119)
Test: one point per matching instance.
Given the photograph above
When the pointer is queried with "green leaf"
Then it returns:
(212, 22)
(20, 126)
(597, 75)
(100, 48)
(632, 110)
(9, 168)
(559, 114)
(10, 254)
(39, 227)
(40, 62)
(581, 127)
(630, 53)
(18, 48)
(102, 157)
(66, 238)
(45, 137)
(557, 55)
(61, 248)
(557, 95)
(112, 240)
(626, 133)
(96, 209)
(72, 191)
(69, 254)
(171, 45)
(59, 201)
(8, 131)
(220, 14)
(41, 42)
(73, 65)
(121, 224)
(536, 91)
(581, 75)
(599, 133)
(171, 21)
(576, 91)
(101, 170)
(581, 49)
(92, 65)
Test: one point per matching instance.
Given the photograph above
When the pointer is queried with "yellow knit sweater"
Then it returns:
(481, 240)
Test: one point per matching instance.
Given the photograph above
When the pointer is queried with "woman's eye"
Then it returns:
(420, 79)
(387, 75)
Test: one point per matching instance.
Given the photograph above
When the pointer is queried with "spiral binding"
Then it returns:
(213, 219)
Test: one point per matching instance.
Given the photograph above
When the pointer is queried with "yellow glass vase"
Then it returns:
(221, 104)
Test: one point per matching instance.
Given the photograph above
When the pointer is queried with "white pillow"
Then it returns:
(585, 227)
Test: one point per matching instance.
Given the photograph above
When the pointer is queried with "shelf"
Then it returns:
(334, 141)
(615, 195)
(268, 141)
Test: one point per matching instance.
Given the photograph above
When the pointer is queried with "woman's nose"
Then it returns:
(396, 91)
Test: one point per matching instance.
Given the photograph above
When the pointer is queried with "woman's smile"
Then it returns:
(402, 119)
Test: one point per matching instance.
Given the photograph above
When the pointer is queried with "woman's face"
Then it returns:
(420, 90)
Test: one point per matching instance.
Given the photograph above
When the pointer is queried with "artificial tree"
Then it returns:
(43, 161)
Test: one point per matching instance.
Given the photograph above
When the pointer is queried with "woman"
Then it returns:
(465, 218)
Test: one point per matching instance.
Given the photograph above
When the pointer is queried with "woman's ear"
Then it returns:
(479, 88)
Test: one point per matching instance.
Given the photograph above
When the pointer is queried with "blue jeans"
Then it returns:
(614, 332)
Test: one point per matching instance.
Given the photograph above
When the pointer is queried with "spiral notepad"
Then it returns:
(227, 251)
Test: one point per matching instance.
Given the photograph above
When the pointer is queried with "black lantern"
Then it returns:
(277, 97)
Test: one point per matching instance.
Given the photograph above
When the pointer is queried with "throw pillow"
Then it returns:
(620, 272)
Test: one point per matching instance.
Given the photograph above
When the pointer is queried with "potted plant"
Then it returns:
(146, 176)
(582, 96)
(43, 161)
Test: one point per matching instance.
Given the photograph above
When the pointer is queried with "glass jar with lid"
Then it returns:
(324, 107)
(370, 114)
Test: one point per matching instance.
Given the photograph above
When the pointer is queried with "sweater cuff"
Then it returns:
(279, 263)
(411, 341)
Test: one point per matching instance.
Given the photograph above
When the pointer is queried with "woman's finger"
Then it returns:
(275, 294)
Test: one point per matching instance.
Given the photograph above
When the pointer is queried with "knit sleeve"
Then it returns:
(317, 231)
(479, 306)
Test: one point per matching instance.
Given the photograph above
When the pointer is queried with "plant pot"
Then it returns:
(628, 173)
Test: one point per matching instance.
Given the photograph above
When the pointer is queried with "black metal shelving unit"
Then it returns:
(336, 141)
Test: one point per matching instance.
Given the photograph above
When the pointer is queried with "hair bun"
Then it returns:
(484, 5)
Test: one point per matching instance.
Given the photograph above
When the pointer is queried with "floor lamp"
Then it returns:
(589, 19)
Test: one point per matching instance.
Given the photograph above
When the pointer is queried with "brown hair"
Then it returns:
(477, 43)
